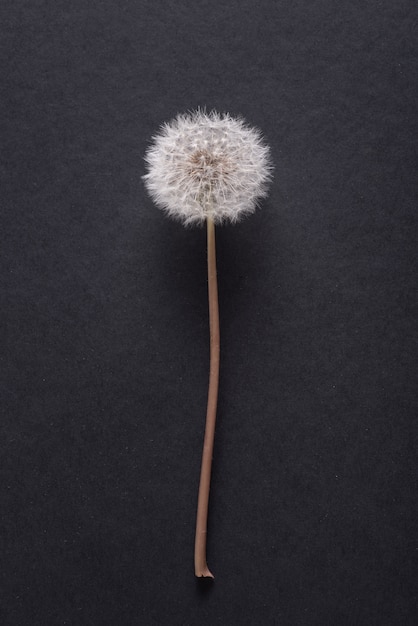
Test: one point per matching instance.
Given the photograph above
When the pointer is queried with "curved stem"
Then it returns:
(201, 568)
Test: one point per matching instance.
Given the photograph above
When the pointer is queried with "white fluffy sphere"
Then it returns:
(207, 164)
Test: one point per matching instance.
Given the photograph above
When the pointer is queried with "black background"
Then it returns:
(104, 309)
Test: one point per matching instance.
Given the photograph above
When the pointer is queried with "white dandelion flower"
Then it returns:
(214, 168)
(203, 165)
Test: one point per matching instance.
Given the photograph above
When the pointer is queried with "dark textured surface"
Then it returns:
(104, 318)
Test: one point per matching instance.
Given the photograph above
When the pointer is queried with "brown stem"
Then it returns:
(201, 568)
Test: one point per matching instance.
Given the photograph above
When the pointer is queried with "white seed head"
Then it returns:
(207, 164)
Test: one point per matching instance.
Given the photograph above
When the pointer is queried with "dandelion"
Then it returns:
(207, 165)
(213, 168)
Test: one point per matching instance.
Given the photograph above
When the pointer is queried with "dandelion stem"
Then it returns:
(201, 568)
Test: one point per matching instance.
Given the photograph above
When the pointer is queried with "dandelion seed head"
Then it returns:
(202, 164)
